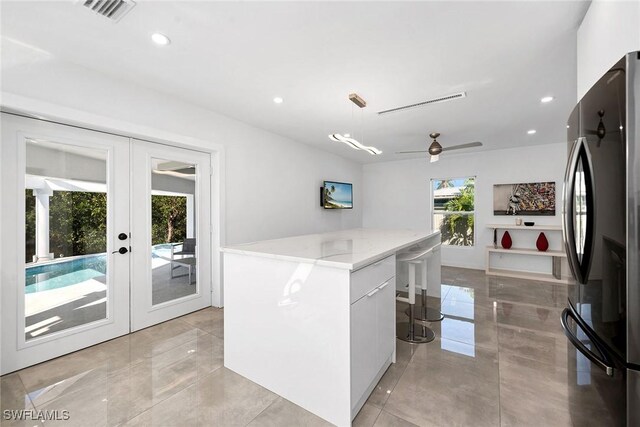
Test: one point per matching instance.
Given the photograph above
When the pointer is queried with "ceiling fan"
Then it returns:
(435, 148)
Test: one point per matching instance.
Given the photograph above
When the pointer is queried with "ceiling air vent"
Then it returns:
(111, 9)
(444, 98)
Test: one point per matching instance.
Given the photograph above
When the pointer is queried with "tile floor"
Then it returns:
(499, 358)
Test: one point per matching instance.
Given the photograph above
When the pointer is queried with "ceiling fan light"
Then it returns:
(434, 158)
(435, 148)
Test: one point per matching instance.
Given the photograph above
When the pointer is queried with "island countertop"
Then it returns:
(347, 249)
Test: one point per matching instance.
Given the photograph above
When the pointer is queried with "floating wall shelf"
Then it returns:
(556, 255)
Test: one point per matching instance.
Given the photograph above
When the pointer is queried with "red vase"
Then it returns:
(542, 243)
(506, 241)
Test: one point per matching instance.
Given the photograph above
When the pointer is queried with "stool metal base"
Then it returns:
(427, 314)
(421, 334)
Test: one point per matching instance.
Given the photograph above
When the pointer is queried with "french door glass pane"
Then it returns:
(66, 263)
(173, 227)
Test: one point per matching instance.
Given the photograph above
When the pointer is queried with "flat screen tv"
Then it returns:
(336, 195)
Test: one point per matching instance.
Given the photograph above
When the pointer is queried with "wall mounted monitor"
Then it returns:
(336, 195)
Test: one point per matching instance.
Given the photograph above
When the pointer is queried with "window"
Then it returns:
(454, 210)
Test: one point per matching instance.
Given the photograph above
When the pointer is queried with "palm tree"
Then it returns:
(444, 183)
(458, 228)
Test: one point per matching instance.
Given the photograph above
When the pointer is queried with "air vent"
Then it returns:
(111, 9)
(427, 102)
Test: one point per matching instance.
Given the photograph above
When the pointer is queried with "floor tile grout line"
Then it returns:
(377, 416)
(25, 390)
(106, 360)
(195, 383)
(396, 383)
(267, 407)
(201, 329)
(499, 371)
(106, 381)
(109, 375)
(394, 388)
(64, 393)
(157, 403)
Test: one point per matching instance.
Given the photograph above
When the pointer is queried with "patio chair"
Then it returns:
(187, 256)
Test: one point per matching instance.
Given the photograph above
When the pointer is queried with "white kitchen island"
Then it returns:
(312, 318)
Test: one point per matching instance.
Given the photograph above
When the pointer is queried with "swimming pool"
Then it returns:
(63, 273)
(60, 273)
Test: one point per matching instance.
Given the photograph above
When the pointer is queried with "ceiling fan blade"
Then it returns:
(410, 152)
(186, 171)
(461, 146)
(173, 166)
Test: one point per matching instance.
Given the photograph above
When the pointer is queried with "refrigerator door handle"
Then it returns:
(590, 202)
(602, 362)
(568, 232)
(579, 266)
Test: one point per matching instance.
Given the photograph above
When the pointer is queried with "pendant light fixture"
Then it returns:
(352, 142)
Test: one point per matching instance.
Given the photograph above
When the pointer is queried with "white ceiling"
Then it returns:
(234, 57)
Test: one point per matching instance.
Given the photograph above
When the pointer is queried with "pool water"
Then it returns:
(64, 273)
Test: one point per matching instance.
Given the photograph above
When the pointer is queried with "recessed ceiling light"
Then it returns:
(278, 100)
(160, 39)
(546, 99)
(347, 135)
(531, 131)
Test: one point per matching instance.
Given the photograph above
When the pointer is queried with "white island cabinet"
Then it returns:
(312, 318)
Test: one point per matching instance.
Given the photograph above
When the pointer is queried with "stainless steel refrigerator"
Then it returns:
(601, 214)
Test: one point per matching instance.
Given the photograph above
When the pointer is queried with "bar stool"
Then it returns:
(427, 314)
(406, 331)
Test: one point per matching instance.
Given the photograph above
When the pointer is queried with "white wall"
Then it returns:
(271, 183)
(268, 185)
(609, 30)
(397, 195)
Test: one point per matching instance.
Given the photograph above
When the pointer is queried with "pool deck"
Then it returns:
(61, 308)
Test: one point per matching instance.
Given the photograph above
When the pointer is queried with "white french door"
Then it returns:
(100, 235)
(171, 274)
(61, 290)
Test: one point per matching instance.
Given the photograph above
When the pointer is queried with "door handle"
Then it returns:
(121, 251)
(603, 363)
